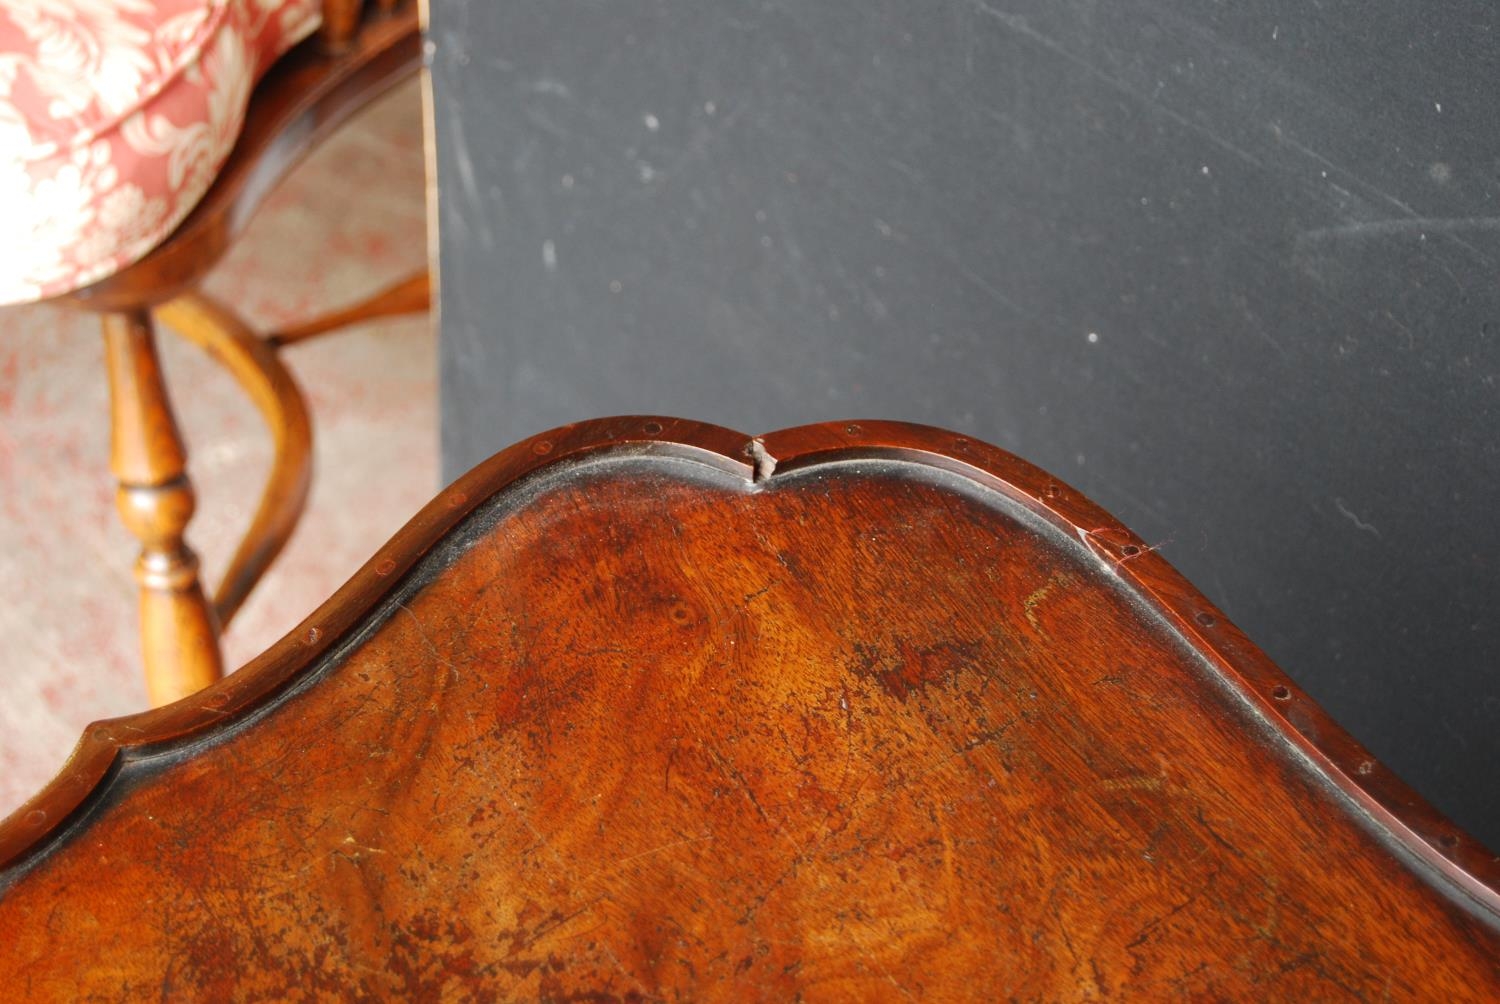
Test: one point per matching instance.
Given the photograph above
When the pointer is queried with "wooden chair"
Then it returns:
(643, 709)
(358, 52)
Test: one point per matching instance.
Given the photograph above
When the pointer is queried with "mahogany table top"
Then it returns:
(645, 709)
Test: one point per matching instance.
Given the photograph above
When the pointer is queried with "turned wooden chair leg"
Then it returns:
(252, 362)
(179, 626)
(179, 637)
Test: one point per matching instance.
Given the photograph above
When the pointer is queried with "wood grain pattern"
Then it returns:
(643, 709)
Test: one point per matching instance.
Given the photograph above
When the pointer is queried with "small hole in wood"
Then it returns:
(36, 817)
(1206, 619)
(1052, 491)
(1281, 693)
(1130, 550)
(652, 428)
(853, 429)
(1448, 840)
(386, 567)
(542, 448)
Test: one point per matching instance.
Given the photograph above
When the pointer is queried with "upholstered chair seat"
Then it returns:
(115, 118)
(137, 138)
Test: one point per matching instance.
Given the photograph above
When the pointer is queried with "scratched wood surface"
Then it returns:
(641, 711)
(1231, 267)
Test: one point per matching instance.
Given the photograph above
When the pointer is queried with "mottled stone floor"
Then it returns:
(348, 220)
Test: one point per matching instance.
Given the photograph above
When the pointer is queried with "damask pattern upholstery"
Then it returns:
(115, 117)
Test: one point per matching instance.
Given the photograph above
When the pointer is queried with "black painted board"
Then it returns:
(1229, 268)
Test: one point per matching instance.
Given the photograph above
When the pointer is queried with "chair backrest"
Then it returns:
(643, 709)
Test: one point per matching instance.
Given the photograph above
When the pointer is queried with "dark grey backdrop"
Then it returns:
(1230, 268)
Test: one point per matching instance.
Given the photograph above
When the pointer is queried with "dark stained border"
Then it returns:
(1406, 819)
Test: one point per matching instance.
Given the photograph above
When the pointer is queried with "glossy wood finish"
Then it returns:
(307, 95)
(179, 636)
(643, 709)
(253, 363)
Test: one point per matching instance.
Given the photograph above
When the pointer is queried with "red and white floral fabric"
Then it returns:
(115, 117)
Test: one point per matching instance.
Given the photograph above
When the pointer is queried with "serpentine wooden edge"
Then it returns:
(1402, 819)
